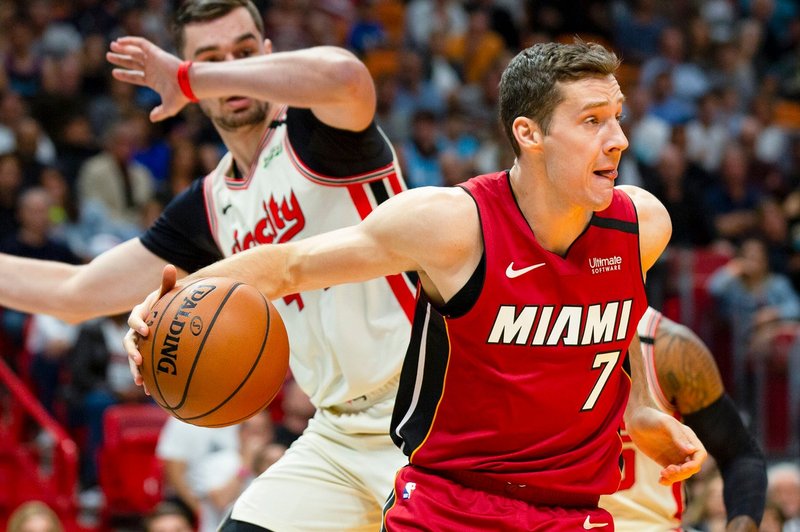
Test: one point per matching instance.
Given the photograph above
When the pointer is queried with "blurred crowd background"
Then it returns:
(712, 115)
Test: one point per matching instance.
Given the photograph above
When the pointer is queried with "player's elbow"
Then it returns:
(353, 81)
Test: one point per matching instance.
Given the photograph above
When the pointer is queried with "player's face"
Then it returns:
(233, 36)
(583, 146)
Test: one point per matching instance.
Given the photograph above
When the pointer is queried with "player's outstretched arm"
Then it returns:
(110, 284)
(689, 377)
(330, 81)
(433, 231)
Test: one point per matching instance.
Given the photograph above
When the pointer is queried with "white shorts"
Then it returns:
(336, 476)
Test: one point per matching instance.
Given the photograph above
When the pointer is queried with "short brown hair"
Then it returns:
(205, 10)
(529, 85)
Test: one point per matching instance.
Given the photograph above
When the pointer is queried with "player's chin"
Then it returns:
(601, 200)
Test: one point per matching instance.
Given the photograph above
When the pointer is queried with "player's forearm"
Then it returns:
(639, 395)
(111, 284)
(305, 78)
(42, 287)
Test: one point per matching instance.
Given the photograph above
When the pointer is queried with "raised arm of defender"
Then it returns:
(330, 81)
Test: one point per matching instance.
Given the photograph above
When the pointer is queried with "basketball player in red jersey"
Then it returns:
(531, 286)
(685, 382)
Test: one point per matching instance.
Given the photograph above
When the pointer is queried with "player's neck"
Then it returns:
(555, 224)
(244, 142)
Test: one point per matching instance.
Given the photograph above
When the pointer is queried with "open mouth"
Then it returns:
(608, 174)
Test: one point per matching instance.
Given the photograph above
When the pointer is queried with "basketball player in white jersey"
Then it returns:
(305, 157)
(685, 382)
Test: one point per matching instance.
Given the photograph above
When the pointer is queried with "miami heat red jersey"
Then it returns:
(525, 388)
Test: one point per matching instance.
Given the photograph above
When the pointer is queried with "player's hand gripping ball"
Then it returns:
(217, 352)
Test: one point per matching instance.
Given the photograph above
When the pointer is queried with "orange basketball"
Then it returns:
(217, 352)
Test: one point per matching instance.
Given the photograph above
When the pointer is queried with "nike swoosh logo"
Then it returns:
(588, 525)
(226, 207)
(512, 273)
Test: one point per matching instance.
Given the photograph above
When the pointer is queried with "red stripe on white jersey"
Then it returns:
(397, 282)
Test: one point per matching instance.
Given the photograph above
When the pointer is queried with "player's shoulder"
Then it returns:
(655, 226)
(437, 203)
(646, 203)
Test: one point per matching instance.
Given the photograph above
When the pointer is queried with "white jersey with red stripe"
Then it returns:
(347, 340)
(642, 504)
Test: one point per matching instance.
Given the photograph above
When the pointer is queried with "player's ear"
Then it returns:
(528, 134)
(267, 46)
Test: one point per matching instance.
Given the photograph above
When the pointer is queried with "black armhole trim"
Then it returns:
(465, 299)
(613, 223)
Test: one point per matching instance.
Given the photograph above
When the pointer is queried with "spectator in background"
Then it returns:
(637, 30)
(12, 110)
(34, 149)
(112, 106)
(706, 509)
(367, 32)
(184, 167)
(731, 69)
(705, 135)
(10, 186)
(665, 103)
(33, 238)
(424, 17)
(732, 201)
(209, 467)
(168, 517)
(688, 79)
(114, 179)
(75, 143)
(474, 51)
(648, 133)
(22, 62)
(774, 228)
(415, 92)
(49, 341)
(755, 301)
(34, 516)
(99, 378)
(202, 466)
(773, 520)
(420, 155)
(679, 193)
(783, 490)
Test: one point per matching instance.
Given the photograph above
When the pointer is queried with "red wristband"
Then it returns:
(183, 80)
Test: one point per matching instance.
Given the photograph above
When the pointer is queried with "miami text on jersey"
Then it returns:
(571, 325)
(280, 223)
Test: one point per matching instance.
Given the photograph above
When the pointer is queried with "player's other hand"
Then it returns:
(669, 442)
(141, 62)
(137, 321)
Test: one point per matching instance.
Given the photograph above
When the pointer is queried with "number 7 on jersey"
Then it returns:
(606, 362)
